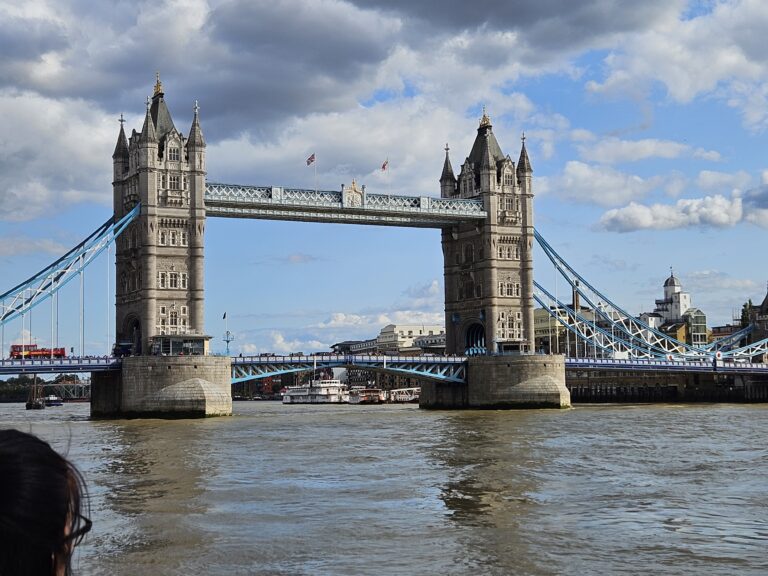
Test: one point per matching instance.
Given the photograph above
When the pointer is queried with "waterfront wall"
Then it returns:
(639, 386)
(164, 386)
(499, 382)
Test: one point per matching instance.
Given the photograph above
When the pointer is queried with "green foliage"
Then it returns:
(745, 310)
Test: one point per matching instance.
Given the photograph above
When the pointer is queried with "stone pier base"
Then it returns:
(500, 382)
(165, 387)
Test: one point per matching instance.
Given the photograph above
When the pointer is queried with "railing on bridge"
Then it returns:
(59, 365)
(275, 203)
(442, 368)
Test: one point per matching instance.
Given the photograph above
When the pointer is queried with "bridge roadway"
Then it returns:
(442, 368)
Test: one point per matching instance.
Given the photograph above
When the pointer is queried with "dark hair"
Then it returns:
(41, 494)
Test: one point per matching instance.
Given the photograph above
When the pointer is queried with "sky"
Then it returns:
(645, 125)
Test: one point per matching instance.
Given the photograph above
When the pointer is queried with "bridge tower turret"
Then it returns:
(488, 266)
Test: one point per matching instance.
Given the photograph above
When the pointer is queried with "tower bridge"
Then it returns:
(161, 200)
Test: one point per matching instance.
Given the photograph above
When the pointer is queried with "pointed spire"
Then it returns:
(524, 164)
(195, 132)
(148, 134)
(121, 148)
(447, 168)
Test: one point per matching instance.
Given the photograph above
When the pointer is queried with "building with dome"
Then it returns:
(675, 316)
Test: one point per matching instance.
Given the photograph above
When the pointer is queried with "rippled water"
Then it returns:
(355, 490)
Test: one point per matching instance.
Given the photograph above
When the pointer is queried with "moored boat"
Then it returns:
(317, 392)
(359, 395)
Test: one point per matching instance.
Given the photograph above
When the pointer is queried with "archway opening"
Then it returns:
(475, 340)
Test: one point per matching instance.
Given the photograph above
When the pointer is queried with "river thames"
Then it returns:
(356, 490)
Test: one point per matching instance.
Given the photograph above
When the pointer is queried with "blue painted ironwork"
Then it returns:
(643, 340)
(442, 368)
(275, 203)
(53, 277)
(59, 365)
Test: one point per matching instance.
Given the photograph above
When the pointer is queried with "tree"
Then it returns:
(745, 310)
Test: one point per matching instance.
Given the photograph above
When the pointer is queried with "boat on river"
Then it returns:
(53, 400)
(317, 392)
(358, 395)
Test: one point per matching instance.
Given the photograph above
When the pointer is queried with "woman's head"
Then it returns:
(41, 495)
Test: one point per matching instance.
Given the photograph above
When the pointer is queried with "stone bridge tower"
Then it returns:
(166, 369)
(159, 257)
(489, 266)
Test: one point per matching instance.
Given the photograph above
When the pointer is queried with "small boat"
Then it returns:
(35, 399)
(317, 392)
(53, 400)
(358, 395)
(405, 395)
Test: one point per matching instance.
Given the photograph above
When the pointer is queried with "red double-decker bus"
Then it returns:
(32, 351)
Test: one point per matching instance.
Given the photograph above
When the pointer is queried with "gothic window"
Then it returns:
(173, 280)
(162, 238)
(501, 251)
(479, 290)
(508, 179)
(162, 181)
(517, 289)
(184, 238)
(159, 181)
(173, 319)
(509, 289)
(517, 205)
(173, 154)
(469, 253)
(184, 280)
(163, 310)
(173, 238)
(509, 253)
(161, 280)
(183, 310)
(173, 182)
(517, 252)
(186, 183)
(501, 288)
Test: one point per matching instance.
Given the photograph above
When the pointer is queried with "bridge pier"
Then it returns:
(501, 382)
(164, 387)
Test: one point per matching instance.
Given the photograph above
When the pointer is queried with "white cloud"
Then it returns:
(715, 280)
(722, 181)
(42, 170)
(22, 245)
(616, 151)
(718, 53)
(711, 211)
(602, 185)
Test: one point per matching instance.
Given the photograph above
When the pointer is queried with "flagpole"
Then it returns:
(315, 163)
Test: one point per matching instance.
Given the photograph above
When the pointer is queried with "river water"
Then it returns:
(357, 490)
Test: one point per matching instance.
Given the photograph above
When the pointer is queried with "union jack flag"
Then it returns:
(385, 165)
(311, 159)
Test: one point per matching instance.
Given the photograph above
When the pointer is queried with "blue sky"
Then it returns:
(645, 124)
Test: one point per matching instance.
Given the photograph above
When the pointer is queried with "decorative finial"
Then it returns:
(158, 84)
(446, 148)
(523, 137)
(485, 120)
(122, 120)
(197, 108)
(149, 103)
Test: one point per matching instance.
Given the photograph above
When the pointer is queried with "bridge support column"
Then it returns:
(165, 387)
(526, 381)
